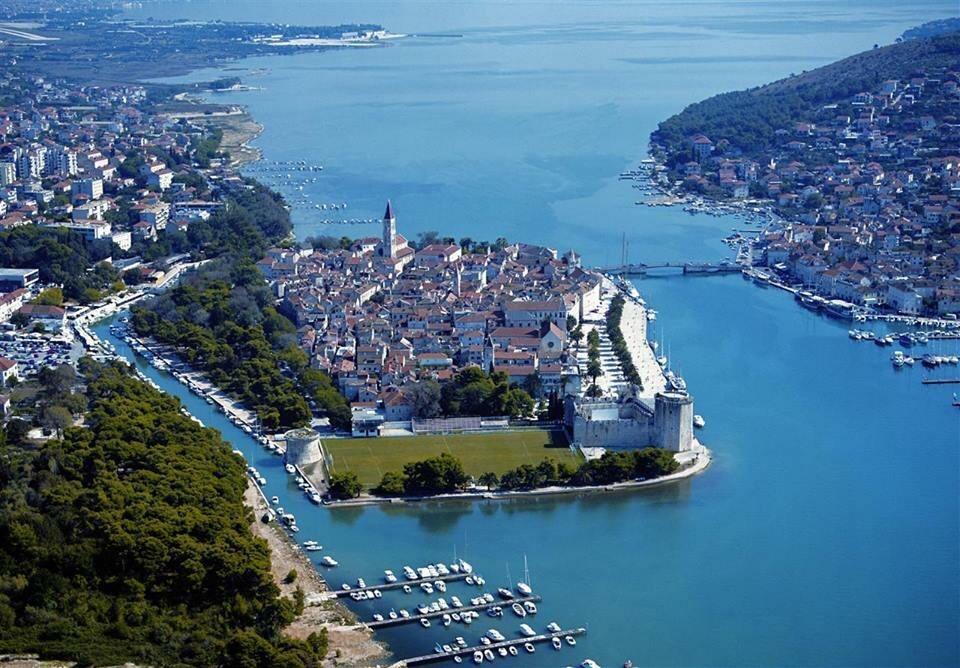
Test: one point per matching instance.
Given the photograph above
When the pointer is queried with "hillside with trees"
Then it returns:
(128, 540)
(747, 120)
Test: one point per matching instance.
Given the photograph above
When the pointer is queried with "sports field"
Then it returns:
(370, 458)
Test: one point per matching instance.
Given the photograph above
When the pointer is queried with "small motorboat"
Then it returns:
(425, 623)
(529, 647)
(557, 645)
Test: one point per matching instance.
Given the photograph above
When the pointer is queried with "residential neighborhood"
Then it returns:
(867, 194)
(380, 314)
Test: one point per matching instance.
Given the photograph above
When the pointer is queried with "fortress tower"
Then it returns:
(673, 421)
(303, 447)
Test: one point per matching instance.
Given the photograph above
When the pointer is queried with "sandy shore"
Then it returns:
(351, 643)
(238, 131)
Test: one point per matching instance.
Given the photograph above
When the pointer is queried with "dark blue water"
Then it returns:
(826, 533)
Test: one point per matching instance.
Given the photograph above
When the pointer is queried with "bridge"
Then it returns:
(640, 269)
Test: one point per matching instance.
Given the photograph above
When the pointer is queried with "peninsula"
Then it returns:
(859, 161)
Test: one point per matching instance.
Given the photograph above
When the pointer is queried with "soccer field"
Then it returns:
(498, 452)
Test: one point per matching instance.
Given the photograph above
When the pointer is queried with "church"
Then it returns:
(393, 253)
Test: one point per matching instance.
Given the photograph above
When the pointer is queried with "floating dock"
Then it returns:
(941, 381)
(468, 651)
(400, 583)
(440, 613)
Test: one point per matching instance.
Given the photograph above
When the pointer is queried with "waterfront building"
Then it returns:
(632, 421)
(303, 447)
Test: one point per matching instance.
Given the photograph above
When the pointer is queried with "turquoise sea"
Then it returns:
(827, 532)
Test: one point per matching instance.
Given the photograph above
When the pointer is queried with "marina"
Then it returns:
(440, 613)
(389, 586)
(471, 651)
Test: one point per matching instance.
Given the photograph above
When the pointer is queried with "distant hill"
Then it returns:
(933, 29)
(748, 119)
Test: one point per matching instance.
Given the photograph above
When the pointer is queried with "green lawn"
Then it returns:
(370, 458)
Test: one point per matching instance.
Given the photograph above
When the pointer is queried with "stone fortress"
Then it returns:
(303, 447)
(632, 421)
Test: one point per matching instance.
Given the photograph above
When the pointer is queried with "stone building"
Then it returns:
(632, 422)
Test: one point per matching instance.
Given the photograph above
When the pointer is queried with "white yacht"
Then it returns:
(524, 588)
(557, 645)
(440, 585)
(389, 577)
(553, 627)
(465, 567)
(495, 635)
(425, 623)
(699, 422)
(478, 657)
(527, 631)
(530, 607)
(329, 561)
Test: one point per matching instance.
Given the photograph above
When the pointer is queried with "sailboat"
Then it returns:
(524, 586)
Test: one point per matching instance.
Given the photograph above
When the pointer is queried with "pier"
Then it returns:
(493, 646)
(440, 613)
(941, 381)
(399, 584)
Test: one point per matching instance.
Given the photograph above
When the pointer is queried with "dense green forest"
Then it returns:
(748, 119)
(222, 321)
(128, 540)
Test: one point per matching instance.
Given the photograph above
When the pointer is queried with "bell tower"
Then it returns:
(389, 232)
